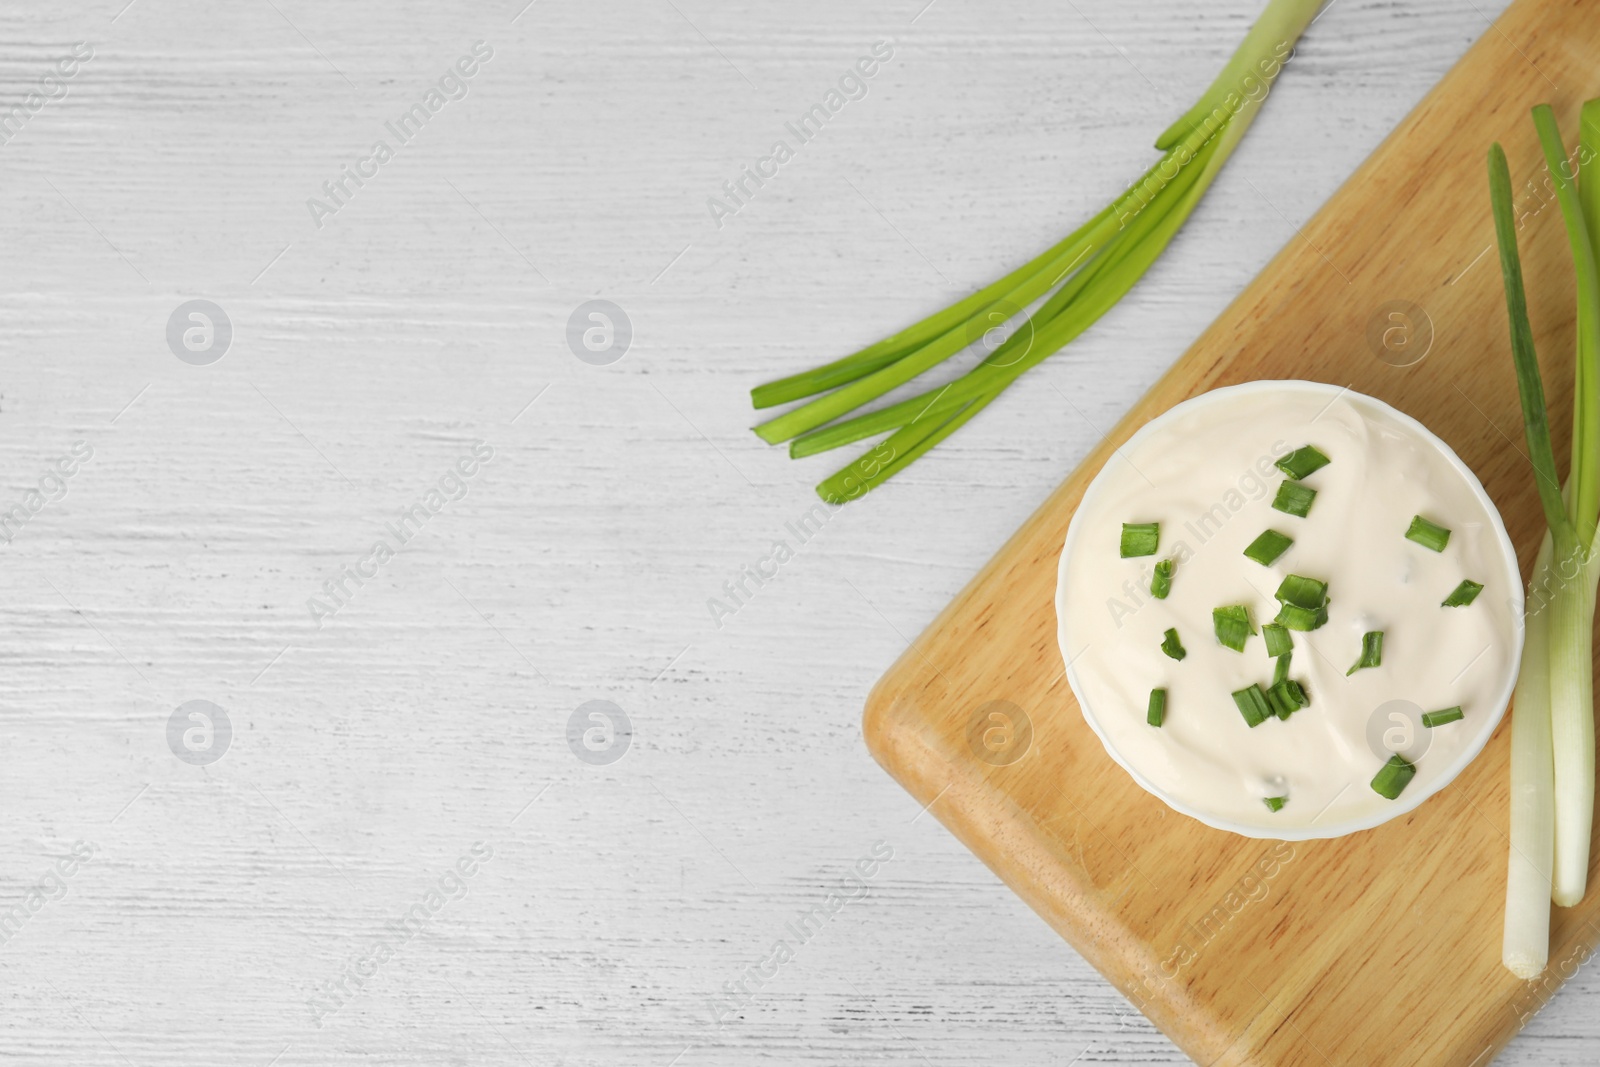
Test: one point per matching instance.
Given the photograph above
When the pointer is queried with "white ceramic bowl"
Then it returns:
(1490, 688)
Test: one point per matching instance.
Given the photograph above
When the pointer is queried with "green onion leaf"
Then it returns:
(1294, 499)
(1140, 538)
(1371, 652)
(1274, 803)
(1287, 697)
(1567, 658)
(1268, 547)
(1295, 617)
(1462, 595)
(1172, 646)
(1302, 461)
(1555, 704)
(1161, 580)
(1252, 704)
(1430, 719)
(1428, 534)
(1090, 271)
(1393, 777)
(1157, 711)
(1280, 666)
(1530, 386)
(1278, 641)
(1233, 626)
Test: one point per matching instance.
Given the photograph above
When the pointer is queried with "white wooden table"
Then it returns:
(241, 908)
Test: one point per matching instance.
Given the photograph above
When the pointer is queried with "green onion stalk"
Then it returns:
(1552, 730)
(1088, 271)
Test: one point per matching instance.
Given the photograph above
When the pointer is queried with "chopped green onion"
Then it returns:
(1161, 580)
(1462, 595)
(1303, 619)
(1302, 461)
(1156, 713)
(1393, 777)
(1280, 666)
(1140, 538)
(1427, 534)
(1371, 652)
(1294, 499)
(1233, 626)
(1302, 592)
(1252, 704)
(1172, 646)
(1279, 643)
(1430, 719)
(1274, 803)
(1268, 547)
(1287, 697)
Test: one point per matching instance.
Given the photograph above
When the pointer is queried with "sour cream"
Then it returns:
(1205, 471)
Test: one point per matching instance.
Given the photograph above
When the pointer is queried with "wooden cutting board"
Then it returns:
(1382, 947)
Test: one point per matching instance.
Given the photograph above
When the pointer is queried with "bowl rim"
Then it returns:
(1410, 800)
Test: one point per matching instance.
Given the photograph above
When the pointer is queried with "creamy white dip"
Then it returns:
(1205, 471)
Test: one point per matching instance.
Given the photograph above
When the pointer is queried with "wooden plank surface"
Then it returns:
(376, 748)
(1381, 947)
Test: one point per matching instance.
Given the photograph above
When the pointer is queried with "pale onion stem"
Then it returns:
(1526, 947)
(1572, 726)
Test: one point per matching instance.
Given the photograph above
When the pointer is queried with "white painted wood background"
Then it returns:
(431, 712)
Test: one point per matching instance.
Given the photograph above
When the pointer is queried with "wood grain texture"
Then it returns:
(1382, 947)
(371, 752)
